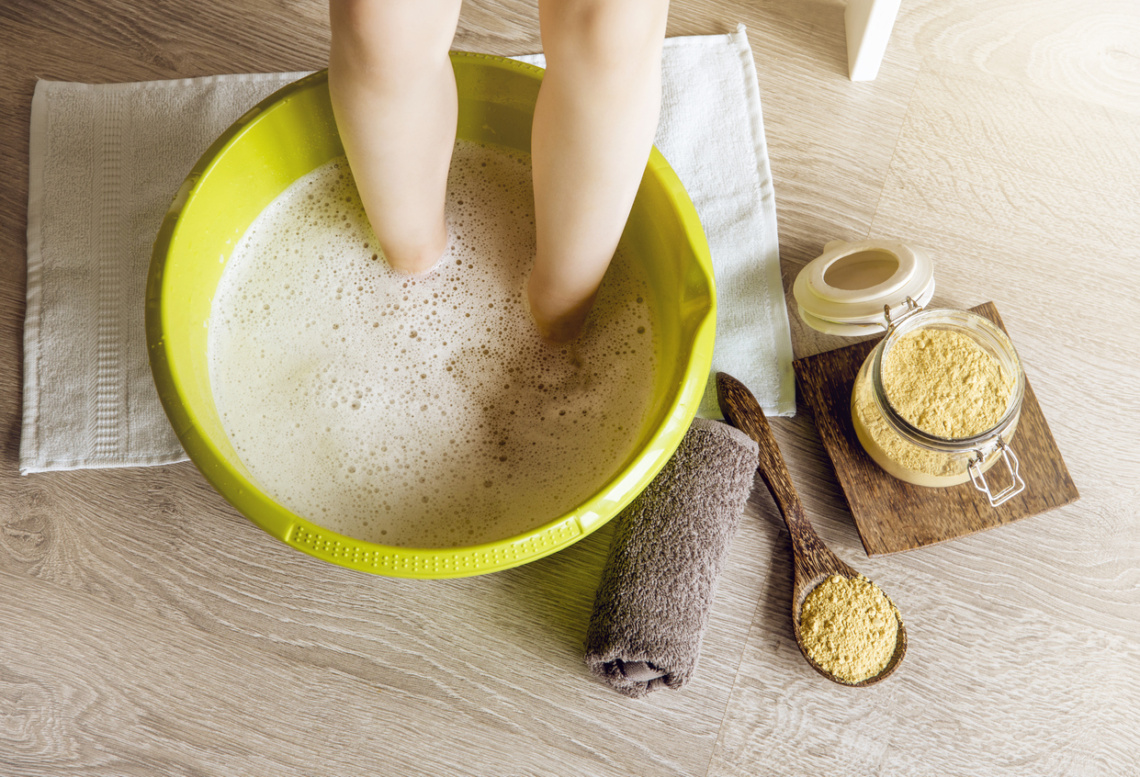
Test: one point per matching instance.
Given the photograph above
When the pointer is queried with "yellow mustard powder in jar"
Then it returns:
(944, 383)
(908, 456)
(849, 627)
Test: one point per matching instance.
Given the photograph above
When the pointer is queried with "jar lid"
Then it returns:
(845, 289)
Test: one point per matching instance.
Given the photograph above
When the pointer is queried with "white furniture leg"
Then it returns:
(869, 24)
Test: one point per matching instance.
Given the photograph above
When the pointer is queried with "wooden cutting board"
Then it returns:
(893, 516)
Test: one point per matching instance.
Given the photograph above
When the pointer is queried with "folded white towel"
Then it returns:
(107, 159)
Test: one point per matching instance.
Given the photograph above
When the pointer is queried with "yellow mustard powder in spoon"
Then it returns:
(849, 627)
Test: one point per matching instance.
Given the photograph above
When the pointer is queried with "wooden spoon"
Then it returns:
(813, 561)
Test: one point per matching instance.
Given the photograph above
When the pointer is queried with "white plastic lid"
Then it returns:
(844, 290)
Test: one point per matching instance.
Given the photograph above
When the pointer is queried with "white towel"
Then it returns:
(107, 159)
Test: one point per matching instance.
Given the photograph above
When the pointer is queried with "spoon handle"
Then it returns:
(743, 411)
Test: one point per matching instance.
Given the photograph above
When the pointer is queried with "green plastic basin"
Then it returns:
(287, 136)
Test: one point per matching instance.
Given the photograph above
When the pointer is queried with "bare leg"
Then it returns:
(393, 95)
(593, 129)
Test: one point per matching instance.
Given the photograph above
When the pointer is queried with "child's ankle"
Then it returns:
(419, 260)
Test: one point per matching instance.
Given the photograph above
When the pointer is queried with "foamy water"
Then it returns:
(422, 412)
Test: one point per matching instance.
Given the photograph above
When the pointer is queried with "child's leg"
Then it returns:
(593, 128)
(393, 94)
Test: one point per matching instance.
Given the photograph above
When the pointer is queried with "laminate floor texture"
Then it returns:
(146, 628)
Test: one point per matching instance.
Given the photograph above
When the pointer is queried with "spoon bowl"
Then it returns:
(812, 560)
(800, 593)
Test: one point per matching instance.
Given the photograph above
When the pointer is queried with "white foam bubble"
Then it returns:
(423, 411)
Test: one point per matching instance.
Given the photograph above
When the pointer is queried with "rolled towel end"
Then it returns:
(652, 606)
(633, 678)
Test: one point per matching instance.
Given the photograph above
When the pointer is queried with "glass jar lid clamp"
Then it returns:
(1013, 467)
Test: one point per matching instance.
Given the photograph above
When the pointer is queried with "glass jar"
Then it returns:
(919, 457)
(868, 286)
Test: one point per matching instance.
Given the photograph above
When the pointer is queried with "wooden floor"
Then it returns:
(148, 629)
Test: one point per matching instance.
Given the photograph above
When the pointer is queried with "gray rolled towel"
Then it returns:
(652, 606)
